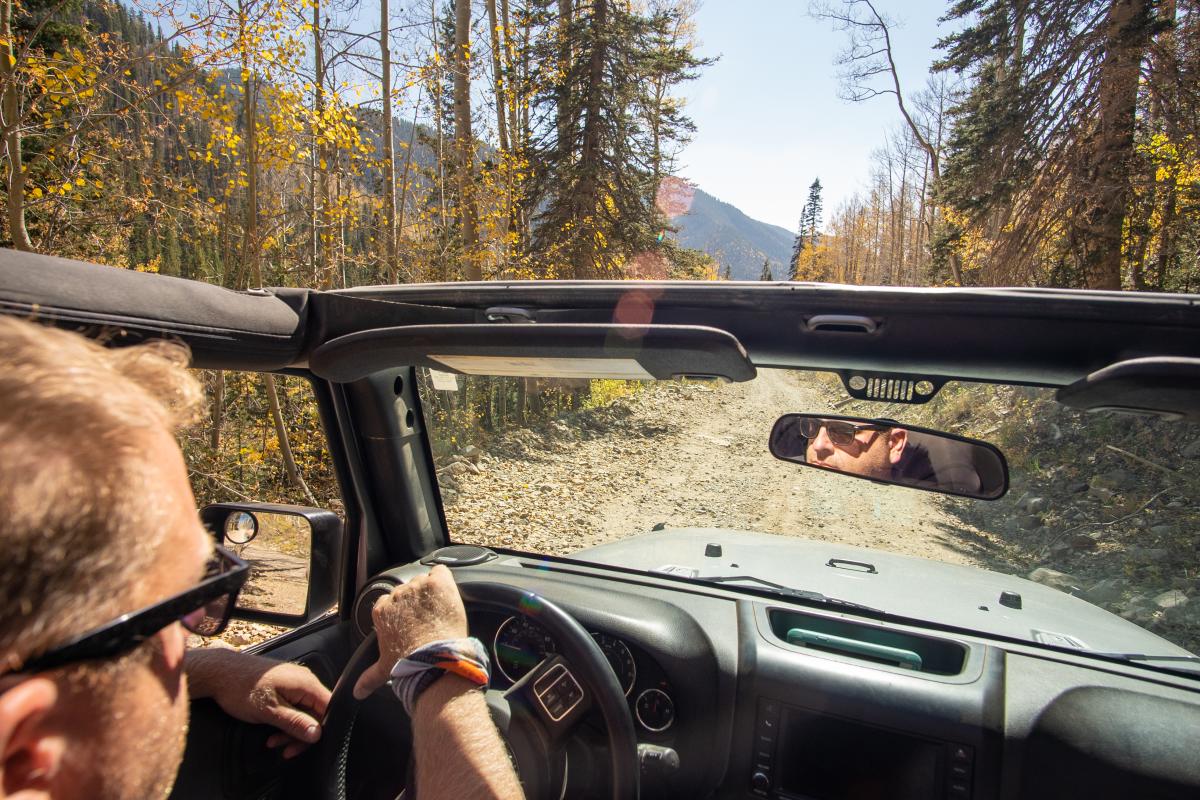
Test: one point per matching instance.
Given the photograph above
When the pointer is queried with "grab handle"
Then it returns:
(843, 563)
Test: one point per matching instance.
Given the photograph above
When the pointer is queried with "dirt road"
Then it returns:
(689, 455)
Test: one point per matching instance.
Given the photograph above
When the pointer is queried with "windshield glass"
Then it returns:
(1099, 506)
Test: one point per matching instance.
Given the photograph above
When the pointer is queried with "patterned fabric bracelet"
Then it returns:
(466, 658)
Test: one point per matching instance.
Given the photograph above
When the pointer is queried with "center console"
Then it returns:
(804, 754)
(840, 707)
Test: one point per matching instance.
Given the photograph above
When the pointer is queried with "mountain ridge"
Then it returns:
(733, 238)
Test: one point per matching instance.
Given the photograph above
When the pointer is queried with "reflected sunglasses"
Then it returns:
(203, 610)
(838, 431)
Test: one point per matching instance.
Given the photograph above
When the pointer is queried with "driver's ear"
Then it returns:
(31, 754)
(173, 642)
(897, 440)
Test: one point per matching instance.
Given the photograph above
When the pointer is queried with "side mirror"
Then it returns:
(294, 555)
(888, 452)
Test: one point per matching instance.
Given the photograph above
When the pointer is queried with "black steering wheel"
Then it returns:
(534, 716)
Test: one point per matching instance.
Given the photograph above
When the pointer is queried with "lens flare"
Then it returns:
(530, 604)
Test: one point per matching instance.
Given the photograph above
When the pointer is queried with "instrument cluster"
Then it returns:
(520, 644)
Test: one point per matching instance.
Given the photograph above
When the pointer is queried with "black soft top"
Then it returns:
(1047, 337)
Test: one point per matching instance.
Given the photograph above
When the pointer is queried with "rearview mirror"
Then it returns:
(886, 451)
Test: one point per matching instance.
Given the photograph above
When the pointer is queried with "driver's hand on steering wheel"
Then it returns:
(426, 609)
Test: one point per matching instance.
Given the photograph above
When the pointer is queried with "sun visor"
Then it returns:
(1165, 387)
(636, 352)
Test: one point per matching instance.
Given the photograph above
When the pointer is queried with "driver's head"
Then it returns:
(98, 521)
(860, 449)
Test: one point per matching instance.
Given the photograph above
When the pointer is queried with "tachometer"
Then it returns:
(619, 658)
(520, 645)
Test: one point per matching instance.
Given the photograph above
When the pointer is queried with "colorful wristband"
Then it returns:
(466, 658)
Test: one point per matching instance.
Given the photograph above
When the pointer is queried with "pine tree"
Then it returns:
(727, 273)
(766, 271)
(810, 217)
(797, 250)
(595, 183)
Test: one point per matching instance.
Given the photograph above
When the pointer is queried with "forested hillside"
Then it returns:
(249, 142)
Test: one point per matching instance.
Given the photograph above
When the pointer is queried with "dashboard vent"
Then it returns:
(366, 602)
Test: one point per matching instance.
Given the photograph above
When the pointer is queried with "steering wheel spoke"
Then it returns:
(551, 694)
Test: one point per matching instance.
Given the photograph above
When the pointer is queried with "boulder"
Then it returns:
(1192, 450)
(1106, 592)
(1034, 505)
(1063, 581)
(472, 453)
(1184, 614)
(1146, 555)
(1171, 599)
(1030, 522)
(1163, 530)
(1078, 488)
(1061, 548)
(1114, 480)
(1139, 610)
(1081, 541)
(1100, 493)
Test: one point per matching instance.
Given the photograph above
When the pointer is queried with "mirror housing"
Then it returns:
(885, 451)
(325, 550)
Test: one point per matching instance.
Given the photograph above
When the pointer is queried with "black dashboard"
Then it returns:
(769, 699)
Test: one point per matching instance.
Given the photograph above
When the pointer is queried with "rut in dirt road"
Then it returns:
(687, 455)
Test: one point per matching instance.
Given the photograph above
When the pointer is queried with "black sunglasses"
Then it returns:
(203, 610)
(838, 431)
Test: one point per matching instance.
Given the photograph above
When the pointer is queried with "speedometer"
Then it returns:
(520, 645)
(619, 658)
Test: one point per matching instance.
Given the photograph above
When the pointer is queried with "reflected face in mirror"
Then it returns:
(881, 450)
(872, 451)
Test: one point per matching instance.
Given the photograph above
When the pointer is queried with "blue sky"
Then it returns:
(768, 115)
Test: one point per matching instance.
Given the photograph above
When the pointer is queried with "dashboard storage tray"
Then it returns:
(869, 643)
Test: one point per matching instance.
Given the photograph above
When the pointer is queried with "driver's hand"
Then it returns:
(262, 691)
(426, 609)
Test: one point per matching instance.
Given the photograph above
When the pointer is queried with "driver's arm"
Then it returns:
(457, 748)
(261, 691)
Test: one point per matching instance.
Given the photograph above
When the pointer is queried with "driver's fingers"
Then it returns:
(294, 722)
(372, 678)
(306, 693)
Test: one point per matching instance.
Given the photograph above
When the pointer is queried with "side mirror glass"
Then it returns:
(885, 451)
(277, 548)
(292, 552)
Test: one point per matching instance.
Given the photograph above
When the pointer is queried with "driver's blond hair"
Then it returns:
(78, 524)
